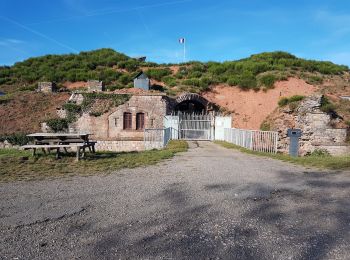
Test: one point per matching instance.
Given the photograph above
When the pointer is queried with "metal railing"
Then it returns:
(157, 138)
(261, 141)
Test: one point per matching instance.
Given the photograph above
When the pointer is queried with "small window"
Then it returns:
(127, 121)
(140, 121)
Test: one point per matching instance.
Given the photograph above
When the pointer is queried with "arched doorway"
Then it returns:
(191, 103)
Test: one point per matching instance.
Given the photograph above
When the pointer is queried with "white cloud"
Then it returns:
(9, 41)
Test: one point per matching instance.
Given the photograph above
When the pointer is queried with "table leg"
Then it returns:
(78, 154)
(57, 153)
(34, 151)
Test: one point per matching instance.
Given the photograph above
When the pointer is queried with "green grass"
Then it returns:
(323, 162)
(20, 165)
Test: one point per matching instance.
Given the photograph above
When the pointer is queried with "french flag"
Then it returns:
(182, 40)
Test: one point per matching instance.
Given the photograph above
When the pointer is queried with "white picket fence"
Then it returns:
(157, 138)
(261, 141)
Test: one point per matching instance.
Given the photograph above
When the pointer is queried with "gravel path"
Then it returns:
(207, 203)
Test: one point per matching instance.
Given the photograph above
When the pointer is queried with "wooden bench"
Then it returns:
(57, 147)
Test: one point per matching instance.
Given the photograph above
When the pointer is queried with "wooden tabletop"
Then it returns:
(58, 134)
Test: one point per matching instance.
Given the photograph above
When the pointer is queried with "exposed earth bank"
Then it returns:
(250, 108)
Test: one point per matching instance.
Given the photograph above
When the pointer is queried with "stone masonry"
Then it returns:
(109, 126)
(316, 126)
(46, 87)
(95, 86)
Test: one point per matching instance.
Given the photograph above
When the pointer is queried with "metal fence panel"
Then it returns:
(195, 126)
(157, 138)
(261, 141)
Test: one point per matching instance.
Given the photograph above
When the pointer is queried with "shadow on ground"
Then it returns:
(304, 224)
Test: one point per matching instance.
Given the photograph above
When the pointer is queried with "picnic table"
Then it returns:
(58, 141)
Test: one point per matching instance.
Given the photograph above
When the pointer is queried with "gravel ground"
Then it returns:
(207, 203)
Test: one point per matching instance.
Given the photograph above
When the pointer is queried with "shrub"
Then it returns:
(169, 81)
(319, 153)
(58, 124)
(296, 98)
(233, 81)
(16, 139)
(158, 74)
(31, 87)
(315, 79)
(268, 80)
(125, 79)
(283, 102)
(293, 99)
(327, 106)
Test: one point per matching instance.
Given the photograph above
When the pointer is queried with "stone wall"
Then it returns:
(95, 86)
(115, 146)
(316, 126)
(109, 126)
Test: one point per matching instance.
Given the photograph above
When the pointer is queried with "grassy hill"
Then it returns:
(117, 71)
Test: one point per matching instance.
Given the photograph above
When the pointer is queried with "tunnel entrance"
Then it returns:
(191, 103)
(190, 106)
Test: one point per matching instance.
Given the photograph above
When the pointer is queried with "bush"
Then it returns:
(296, 98)
(58, 124)
(315, 79)
(283, 102)
(293, 99)
(158, 74)
(319, 153)
(169, 81)
(327, 106)
(16, 139)
(31, 87)
(267, 80)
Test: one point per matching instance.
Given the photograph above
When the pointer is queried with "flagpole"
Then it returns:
(184, 50)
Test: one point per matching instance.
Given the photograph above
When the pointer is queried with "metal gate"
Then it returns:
(196, 126)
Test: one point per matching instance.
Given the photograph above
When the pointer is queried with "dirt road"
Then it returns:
(207, 203)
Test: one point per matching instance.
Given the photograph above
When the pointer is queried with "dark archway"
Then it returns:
(191, 103)
(190, 106)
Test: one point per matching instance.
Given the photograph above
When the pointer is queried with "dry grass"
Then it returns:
(19, 165)
(322, 162)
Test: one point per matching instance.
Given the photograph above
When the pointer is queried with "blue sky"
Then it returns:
(215, 30)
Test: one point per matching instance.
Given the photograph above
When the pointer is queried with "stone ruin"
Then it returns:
(316, 126)
(46, 87)
(95, 86)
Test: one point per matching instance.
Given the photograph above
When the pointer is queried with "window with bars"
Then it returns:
(127, 121)
(140, 121)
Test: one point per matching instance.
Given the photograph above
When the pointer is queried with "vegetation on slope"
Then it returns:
(117, 71)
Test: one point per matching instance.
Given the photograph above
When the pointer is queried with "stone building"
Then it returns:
(46, 87)
(122, 127)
